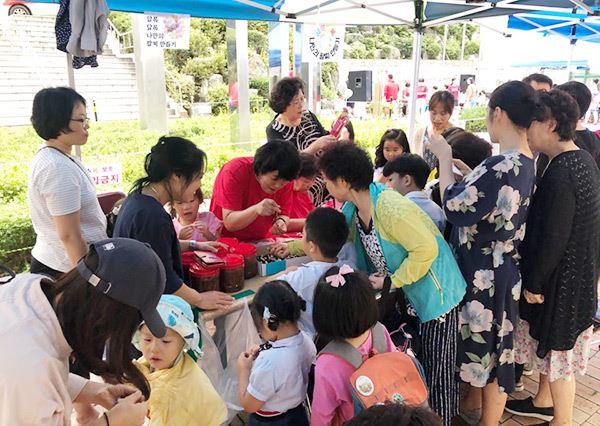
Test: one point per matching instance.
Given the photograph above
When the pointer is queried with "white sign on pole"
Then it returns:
(102, 175)
(167, 31)
(322, 43)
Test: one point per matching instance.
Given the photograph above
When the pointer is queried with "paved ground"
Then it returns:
(586, 411)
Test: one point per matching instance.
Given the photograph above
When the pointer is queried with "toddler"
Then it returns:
(181, 393)
(193, 225)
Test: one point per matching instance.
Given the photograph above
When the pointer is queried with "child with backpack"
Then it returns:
(273, 378)
(345, 311)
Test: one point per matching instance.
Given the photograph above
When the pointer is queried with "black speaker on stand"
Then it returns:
(361, 84)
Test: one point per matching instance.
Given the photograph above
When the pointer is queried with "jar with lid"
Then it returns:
(232, 274)
(187, 259)
(204, 279)
(250, 261)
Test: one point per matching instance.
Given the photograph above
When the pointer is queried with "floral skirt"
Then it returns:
(556, 364)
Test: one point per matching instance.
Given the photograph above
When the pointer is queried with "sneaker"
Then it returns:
(519, 386)
(527, 370)
(525, 408)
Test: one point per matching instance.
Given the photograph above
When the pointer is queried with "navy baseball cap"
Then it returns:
(130, 272)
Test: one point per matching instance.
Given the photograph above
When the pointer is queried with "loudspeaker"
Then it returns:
(463, 81)
(361, 84)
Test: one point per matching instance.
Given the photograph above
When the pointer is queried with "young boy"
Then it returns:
(181, 392)
(325, 232)
(408, 174)
(302, 204)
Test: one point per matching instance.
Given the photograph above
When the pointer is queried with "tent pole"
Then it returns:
(71, 76)
(416, 51)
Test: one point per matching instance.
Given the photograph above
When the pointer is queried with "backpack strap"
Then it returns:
(379, 340)
(350, 354)
(345, 351)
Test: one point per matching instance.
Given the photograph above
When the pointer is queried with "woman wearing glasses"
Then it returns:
(61, 194)
(296, 124)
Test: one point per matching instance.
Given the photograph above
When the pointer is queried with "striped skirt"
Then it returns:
(438, 357)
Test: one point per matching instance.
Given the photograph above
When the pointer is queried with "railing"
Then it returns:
(120, 43)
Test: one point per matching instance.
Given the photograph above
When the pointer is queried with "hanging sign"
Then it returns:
(167, 31)
(322, 43)
(102, 175)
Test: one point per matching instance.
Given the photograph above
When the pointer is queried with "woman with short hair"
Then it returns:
(61, 194)
(294, 123)
(253, 195)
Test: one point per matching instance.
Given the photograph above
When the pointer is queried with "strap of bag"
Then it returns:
(379, 340)
(345, 351)
(385, 296)
(350, 354)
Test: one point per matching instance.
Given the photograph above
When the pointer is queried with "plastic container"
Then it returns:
(250, 261)
(187, 259)
(232, 274)
(230, 241)
(204, 279)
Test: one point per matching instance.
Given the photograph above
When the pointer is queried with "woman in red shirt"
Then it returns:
(253, 196)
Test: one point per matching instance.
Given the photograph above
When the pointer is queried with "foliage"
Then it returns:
(16, 236)
(395, 42)
(180, 87)
(218, 96)
(121, 21)
(329, 80)
(474, 119)
(262, 85)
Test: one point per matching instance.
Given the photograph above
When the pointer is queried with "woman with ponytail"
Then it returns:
(174, 169)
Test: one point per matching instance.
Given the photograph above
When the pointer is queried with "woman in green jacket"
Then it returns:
(394, 237)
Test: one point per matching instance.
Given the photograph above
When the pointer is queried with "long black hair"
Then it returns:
(396, 135)
(283, 303)
(89, 320)
(171, 156)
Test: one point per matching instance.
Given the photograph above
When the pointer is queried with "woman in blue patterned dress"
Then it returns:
(488, 209)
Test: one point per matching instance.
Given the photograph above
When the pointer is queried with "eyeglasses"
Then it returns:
(85, 121)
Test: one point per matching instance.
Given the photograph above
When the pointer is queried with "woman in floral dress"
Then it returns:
(488, 210)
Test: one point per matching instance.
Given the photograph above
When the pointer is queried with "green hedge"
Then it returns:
(16, 236)
(475, 119)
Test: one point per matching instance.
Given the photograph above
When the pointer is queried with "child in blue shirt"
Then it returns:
(325, 233)
(408, 174)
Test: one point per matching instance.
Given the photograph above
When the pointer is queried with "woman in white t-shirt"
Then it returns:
(61, 194)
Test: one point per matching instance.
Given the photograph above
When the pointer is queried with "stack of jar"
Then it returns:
(240, 263)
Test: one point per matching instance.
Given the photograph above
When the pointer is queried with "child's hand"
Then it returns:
(203, 229)
(376, 280)
(245, 360)
(186, 232)
(280, 250)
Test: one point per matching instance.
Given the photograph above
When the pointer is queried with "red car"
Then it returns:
(18, 7)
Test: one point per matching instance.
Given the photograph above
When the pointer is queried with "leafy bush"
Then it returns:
(258, 103)
(218, 96)
(180, 87)
(121, 21)
(474, 119)
(262, 85)
(16, 236)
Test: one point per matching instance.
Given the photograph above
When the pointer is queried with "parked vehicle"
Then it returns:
(23, 8)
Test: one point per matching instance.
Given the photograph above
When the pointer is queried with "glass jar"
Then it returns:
(204, 279)
(250, 261)
(187, 259)
(232, 274)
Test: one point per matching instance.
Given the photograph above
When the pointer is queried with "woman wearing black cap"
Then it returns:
(43, 323)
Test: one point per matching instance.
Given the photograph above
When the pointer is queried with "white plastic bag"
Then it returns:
(235, 334)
